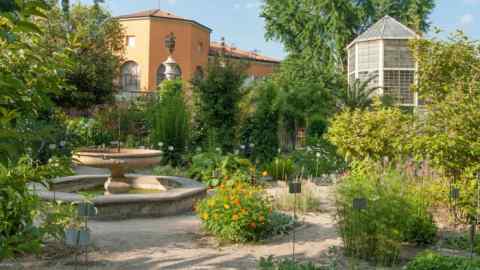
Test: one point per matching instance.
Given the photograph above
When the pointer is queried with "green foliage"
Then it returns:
(462, 242)
(83, 131)
(217, 98)
(24, 94)
(95, 42)
(169, 120)
(448, 133)
(297, 25)
(237, 213)
(213, 168)
(123, 121)
(395, 213)
(19, 207)
(357, 95)
(263, 128)
(433, 261)
(286, 264)
(281, 168)
(318, 159)
(376, 134)
(169, 170)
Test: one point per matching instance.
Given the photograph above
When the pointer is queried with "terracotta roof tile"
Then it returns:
(216, 48)
(157, 13)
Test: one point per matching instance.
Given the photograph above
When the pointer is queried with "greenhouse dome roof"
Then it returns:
(386, 28)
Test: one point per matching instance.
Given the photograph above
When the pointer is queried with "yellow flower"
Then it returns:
(211, 203)
(264, 173)
(235, 217)
(226, 206)
(205, 216)
(261, 218)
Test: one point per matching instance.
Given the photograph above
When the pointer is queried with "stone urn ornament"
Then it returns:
(171, 70)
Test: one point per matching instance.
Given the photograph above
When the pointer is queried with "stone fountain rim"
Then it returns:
(189, 187)
(127, 153)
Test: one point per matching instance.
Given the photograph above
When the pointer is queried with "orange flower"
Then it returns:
(235, 217)
(253, 225)
(225, 177)
(270, 210)
(226, 206)
(237, 202)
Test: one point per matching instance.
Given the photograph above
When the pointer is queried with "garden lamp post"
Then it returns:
(171, 70)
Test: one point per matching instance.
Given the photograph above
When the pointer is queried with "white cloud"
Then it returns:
(467, 19)
(472, 2)
(172, 2)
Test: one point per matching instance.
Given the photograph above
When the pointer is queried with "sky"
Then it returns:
(239, 22)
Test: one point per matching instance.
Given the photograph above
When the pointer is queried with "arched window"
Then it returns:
(160, 74)
(130, 75)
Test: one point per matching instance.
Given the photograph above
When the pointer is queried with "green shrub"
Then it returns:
(217, 97)
(382, 132)
(19, 207)
(262, 128)
(318, 159)
(394, 214)
(434, 261)
(169, 170)
(169, 121)
(286, 264)
(213, 168)
(237, 213)
(462, 242)
(281, 168)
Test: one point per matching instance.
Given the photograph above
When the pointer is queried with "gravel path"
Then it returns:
(179, 243)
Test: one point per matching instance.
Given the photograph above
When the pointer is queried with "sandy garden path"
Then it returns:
(178, 243)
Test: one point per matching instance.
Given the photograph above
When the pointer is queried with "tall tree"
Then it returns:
(324, 27)
(95, 43)
(218, 96)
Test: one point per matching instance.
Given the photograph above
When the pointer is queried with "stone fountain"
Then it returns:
(118, 161)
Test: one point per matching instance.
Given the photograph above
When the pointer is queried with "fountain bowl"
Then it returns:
(118, 161)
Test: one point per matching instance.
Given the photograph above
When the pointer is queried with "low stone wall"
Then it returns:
(122, 206)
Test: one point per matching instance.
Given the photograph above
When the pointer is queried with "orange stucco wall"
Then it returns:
(191, 51)
(140, 53)
(186, 54)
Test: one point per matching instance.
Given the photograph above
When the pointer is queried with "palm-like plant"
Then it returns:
(358, 94)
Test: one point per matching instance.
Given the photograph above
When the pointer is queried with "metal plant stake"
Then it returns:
(295, 188)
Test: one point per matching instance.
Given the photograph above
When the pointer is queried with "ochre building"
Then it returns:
(145, 52)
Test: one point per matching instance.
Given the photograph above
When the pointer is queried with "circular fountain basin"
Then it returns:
(179, 195)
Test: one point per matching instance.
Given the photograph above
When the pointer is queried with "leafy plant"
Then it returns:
(376, 134)
(433, 261)
(237, 213)
(393, 214)
(317, 159)
(217, 99)
(281, 168)
(357, 95)
(262, 127)
(170, 122)
(214, 168)
(19, 207)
